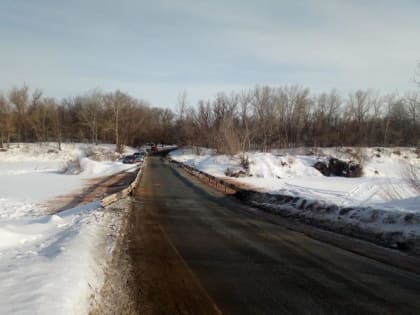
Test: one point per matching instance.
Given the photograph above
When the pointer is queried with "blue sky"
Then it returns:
(157, 49)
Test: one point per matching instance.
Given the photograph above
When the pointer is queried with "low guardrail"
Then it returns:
(106, 201)
(220, 184)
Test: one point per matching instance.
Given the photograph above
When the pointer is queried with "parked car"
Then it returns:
(129, 159)
(154, 148)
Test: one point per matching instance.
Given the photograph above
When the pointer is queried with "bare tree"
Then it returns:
(358, 109)
(264, 109)
(413, 107)
(117, 102)
(55, 119)
(245, 101)
(325, 117)
(37, 116)
(90, 112)
(19, 98)
(184, 119)
(397, 121)
(203, 123)
(6, 125)
(226, 134)
(417, 75)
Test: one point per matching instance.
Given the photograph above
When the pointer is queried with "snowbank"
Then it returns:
(52, 264)
(49, 264)
(384, 180)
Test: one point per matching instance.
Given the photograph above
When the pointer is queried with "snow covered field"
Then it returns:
(382, 205)
(51, 264)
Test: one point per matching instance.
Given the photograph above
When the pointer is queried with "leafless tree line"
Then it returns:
(265, 117)
(261, 118)
(93, 117)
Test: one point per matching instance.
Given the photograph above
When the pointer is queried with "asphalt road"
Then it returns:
(196, 251)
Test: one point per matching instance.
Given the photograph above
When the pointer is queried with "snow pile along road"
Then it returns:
(382, 205)
(52, 264)
(49, 264)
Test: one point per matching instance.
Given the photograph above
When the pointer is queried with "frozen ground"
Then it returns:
(50, 264)
(382, 205)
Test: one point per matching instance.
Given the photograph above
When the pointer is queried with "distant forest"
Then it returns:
(261, 118)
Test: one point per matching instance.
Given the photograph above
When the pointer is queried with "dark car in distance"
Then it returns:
(136, 157)
(129, 159)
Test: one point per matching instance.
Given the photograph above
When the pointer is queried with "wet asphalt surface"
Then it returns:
(248, 265)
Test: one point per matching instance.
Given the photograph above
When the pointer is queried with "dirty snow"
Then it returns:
(49, 263)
